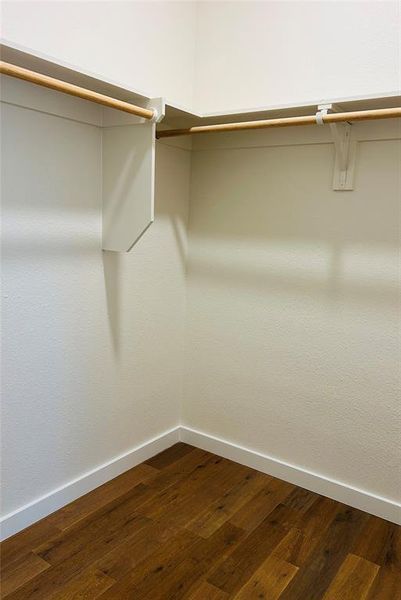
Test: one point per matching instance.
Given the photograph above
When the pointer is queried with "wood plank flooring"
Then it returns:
(191, 525)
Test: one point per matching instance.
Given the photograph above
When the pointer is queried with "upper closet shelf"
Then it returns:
(129, 146)
(339, 121)
(128, 142)
(178, 116)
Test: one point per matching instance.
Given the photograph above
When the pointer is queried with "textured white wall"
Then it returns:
(293, 302)
(92, 362)
(221, 56)
(149, 46)
(292, 345)
(254, 54)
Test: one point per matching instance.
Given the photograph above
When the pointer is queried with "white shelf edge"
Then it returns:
(33, 59)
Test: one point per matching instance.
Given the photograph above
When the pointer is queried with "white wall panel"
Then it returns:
(257, 54)
(293, 306)
(92, 361)
(146, 46)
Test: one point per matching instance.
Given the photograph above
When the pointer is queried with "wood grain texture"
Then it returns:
(268, 581)
(387, 584)
(169, 456)
(207, 590)
(87, 504)
(89, 584)
(21, 571)
(353, 580)
(188, 524)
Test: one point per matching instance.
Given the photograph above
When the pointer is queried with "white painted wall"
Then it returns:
(93, 341)
(255, 54)
(293, 302)
(292, 344)
(148, 46)
(221, 56)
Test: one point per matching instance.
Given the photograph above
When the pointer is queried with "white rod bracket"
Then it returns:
(158, 106)
(345, 149)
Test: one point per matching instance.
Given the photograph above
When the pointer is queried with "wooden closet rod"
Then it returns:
(73, 90)
(360, 115)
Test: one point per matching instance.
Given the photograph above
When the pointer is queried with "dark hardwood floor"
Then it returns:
(190, 524)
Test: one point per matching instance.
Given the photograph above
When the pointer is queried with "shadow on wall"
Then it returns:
(333, 273)
(275, 225)
(112, 281)
(171, 186)
(162, 247)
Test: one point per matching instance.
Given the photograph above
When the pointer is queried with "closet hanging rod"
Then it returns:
(360, 115)
(74, 90)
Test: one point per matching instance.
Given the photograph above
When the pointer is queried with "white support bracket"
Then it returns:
(159, 108)
(345, 149)
(128, 168)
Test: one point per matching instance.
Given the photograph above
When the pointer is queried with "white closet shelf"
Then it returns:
(29, 59)
(335, 116)
(129, 141)
(128, 124)
(175, 115)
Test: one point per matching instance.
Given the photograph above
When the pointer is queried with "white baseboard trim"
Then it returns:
(41, 507)
(44, 506)
(361, 499)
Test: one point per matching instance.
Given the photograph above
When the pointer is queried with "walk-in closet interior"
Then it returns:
(201, 342)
